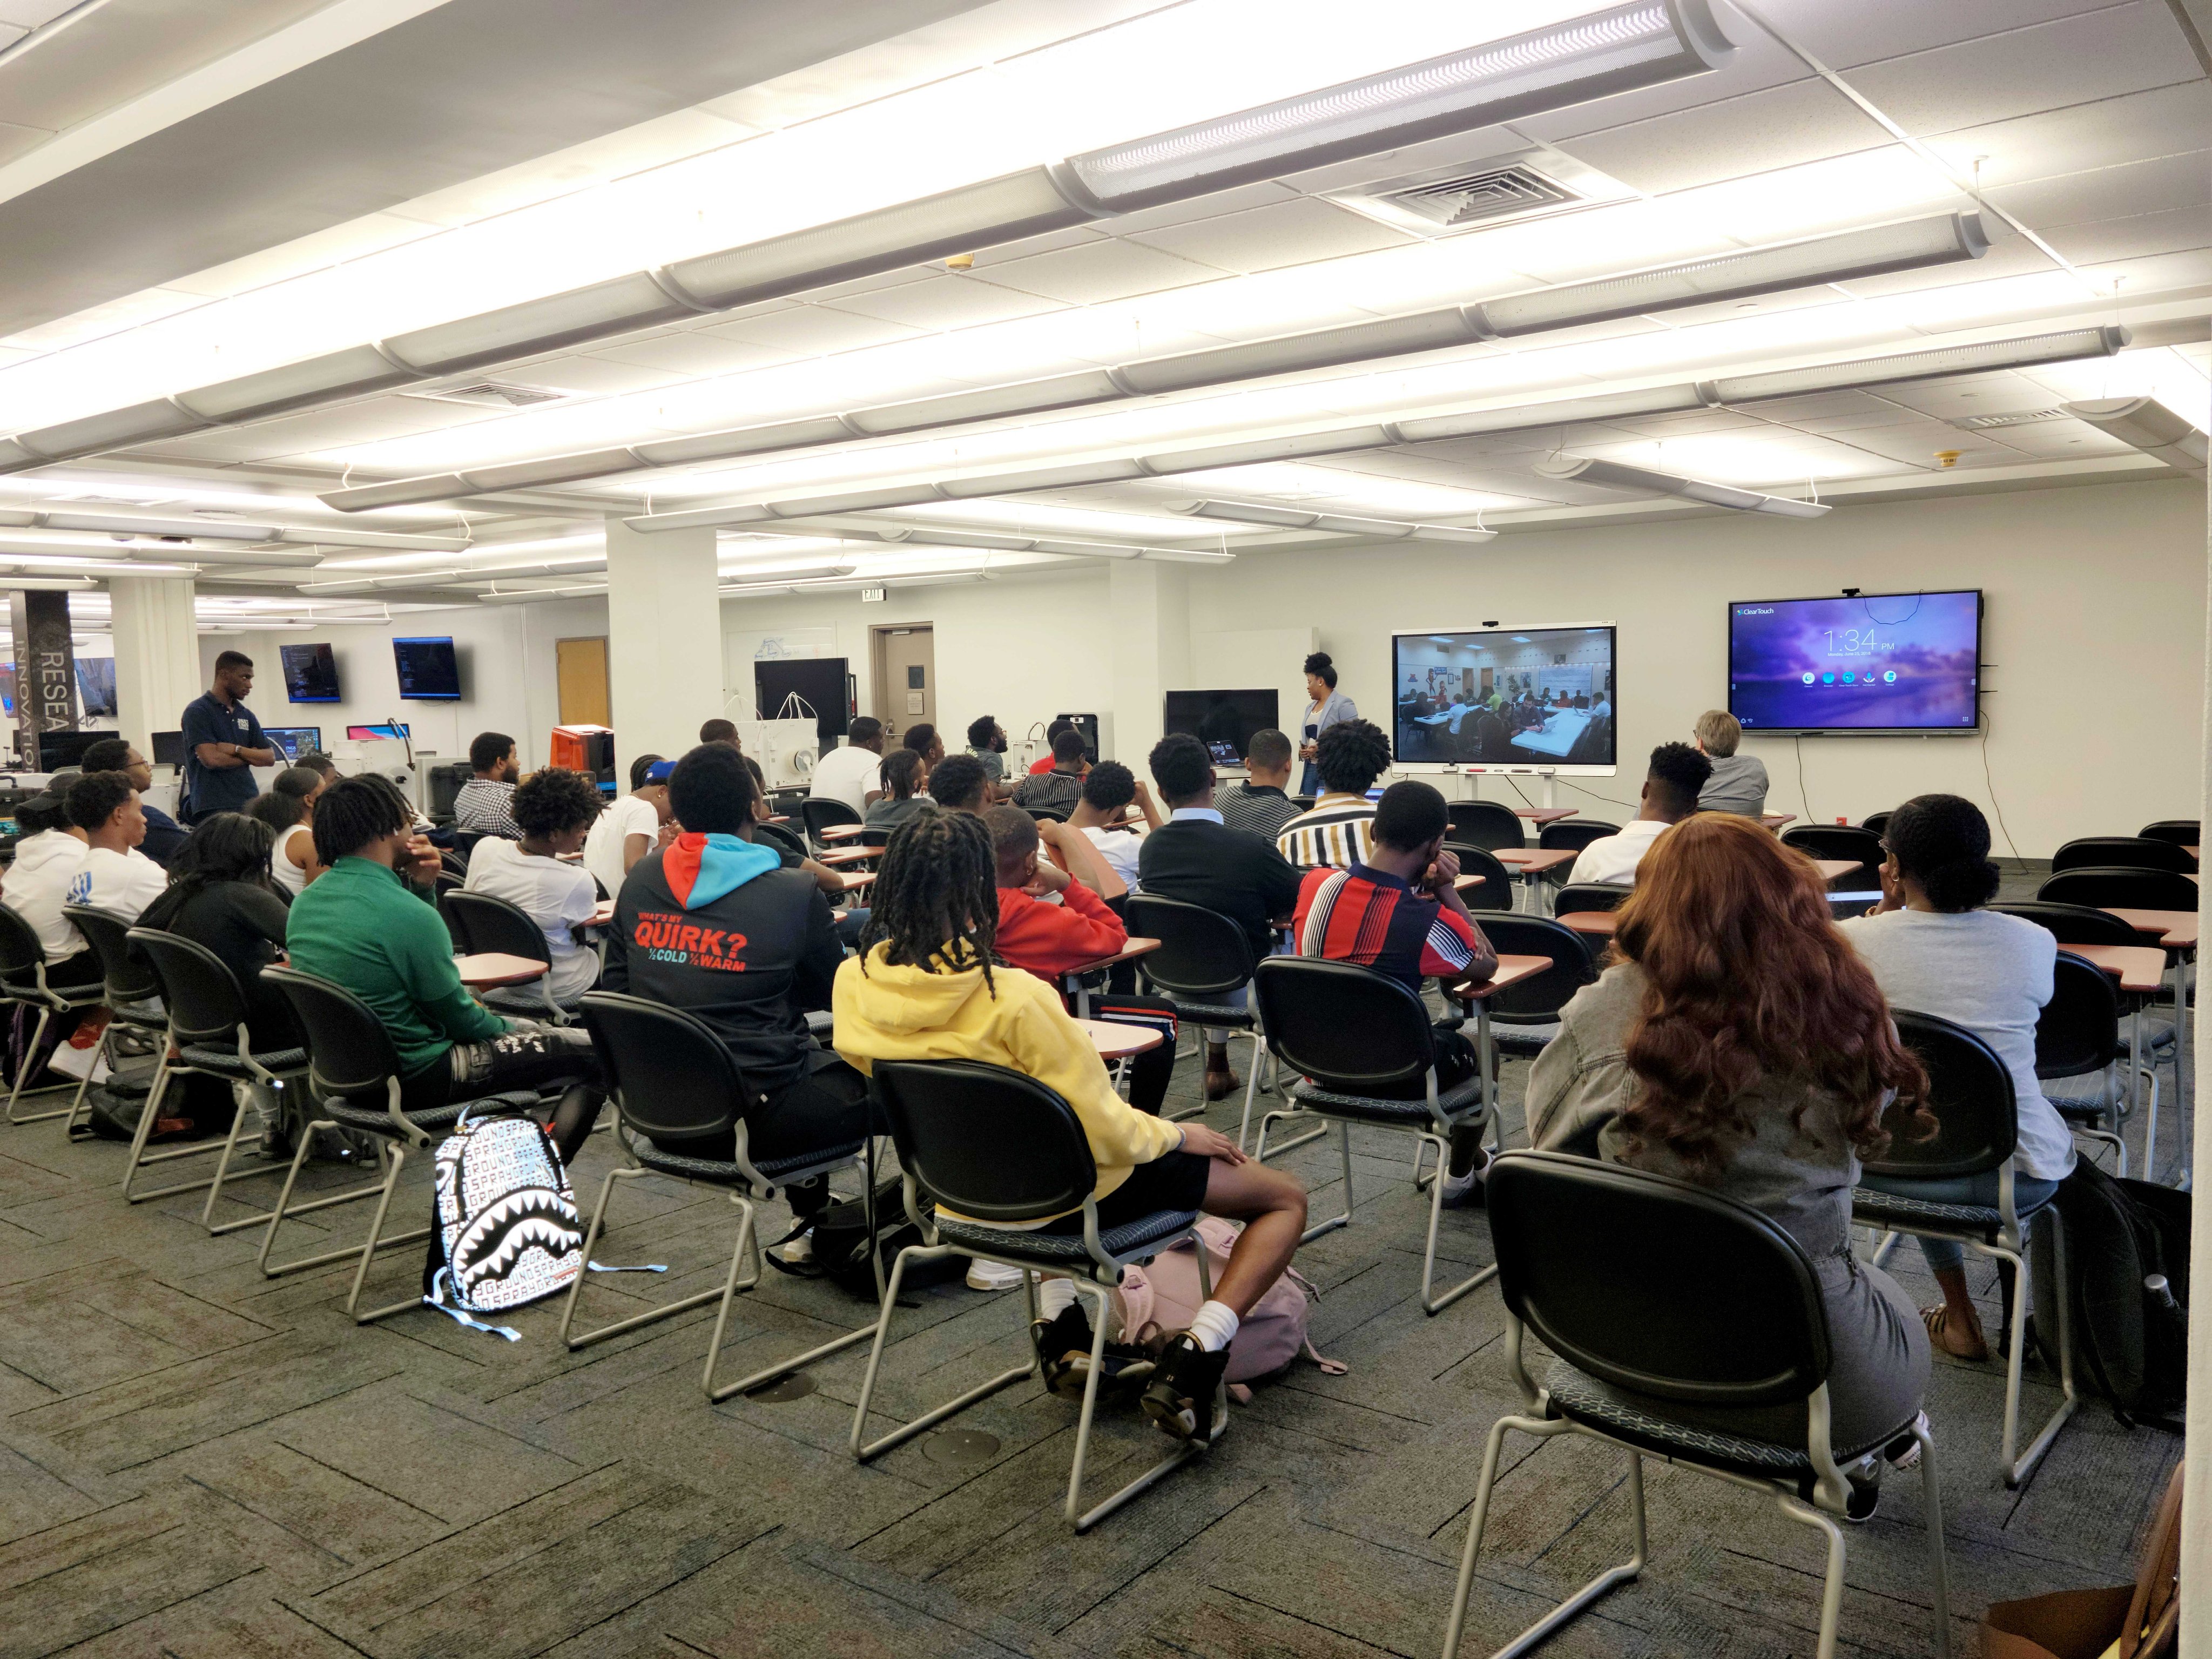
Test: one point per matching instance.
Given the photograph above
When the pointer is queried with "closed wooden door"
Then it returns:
(906, 679)
(579, 671)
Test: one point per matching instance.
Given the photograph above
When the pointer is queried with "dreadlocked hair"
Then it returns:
(935, 905)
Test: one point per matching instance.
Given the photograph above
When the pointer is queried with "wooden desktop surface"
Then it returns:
(487, 970)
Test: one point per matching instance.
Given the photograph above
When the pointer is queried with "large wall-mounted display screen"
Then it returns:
(427, 669)
(1223, 720)
(1862, 664)
(311, 673)
(1506, 696)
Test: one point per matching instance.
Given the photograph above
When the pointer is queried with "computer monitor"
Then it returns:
(392, 729)
(169, 749)
(427, 669)
(60, 749)
(311, 673)
(294, 741)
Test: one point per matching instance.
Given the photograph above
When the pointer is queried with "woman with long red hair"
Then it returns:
(1737, 1041)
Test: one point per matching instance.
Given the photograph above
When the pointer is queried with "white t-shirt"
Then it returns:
(1119, 847)
(1990, 973)
(611, 833)
(291, 877)
(1613, 858)
(555, 896)
(849, 774)
(36, 886)
(125, 883)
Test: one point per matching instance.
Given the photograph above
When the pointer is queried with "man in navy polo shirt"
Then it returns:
(223, 743)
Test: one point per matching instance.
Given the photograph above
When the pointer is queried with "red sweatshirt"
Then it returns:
(1049, 939)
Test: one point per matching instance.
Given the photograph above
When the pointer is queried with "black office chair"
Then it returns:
(351, 1061)
(1350, 1031)
(132, 991)
(2122, 852)
(1582, 897)
(479, 922)
(999, 1149)
(1496, 893)
(207, 1029)
(2107, 888)
(2081, 924)
(1525, 1016)
(24, 982)
(1650, 1289)
(1876, 823)
(1045, 814)
(1572, 834)
(2077, 1036)
(1203, 962)
(1971, 1096)
(1840, 841)
(820, 813)
(673, 1081)
(451, 863)
(1487, 824)
(2182, 832)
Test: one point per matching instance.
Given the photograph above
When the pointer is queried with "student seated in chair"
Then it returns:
(1051, 918)
(115, 875)
(554, 809)
(726, 927)
(288, 809)
(1101, 814)
(906, 777)
(630, 827)
(369, 924)
(725, 732)
(924, 988)
(1738, 1042)
(164, 834)
(1935, 948)
(1398, 913)
(1059, 789)
(48, 855)
(1738, 782)
(480, 804)
(986, 744)
(959, 784)
(1261, 804)
(1045, 761)
(1196, 857)
(1678, 772)
(1349, 755)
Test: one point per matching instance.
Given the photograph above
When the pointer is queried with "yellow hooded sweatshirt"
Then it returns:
(890, 1012)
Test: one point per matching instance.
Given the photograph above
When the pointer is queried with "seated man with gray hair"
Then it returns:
(1738, 783)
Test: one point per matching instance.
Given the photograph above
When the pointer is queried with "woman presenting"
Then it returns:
(1329, 707)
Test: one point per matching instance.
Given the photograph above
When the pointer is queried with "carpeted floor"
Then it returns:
(195, 1460)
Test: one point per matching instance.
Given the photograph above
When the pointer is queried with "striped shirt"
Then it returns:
(1263, 811)
(1335, 833)
(1376, 920)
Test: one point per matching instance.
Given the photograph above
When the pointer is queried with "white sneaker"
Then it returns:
(798, 1249)
(992, 1276)
(1464, 1189)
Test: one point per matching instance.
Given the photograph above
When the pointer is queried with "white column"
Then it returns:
(664, 639)
(157, 655)
(1149, 622)
(2197, 1484)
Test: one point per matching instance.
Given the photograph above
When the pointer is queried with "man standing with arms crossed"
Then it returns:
(223, 743)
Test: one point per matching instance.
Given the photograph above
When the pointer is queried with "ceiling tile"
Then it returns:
(814, 330)
(2082, 137)
(2121, 49)
(599, 375)
(2179, 230)
(378, 418)
(1095, 271)
(1266, 193)
(2113, 193)
(948, 301)
(1780, 126)
(1287, 233)
(2061, 441)
(1846, 36)
(692, 352)
(1918, 445)
(2003, 391)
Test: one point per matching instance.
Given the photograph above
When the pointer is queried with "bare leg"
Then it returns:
(1220, 1081)
(1273, 1204)
(1961, 1335)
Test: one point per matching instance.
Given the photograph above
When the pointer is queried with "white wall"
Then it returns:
(2093, 640)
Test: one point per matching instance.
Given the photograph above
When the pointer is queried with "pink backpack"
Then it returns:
(1156, 1300)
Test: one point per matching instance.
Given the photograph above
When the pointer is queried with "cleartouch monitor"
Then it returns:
(1223, 720)
(427, 669)
(1858, 665)
(1536, 696)
(311, 673)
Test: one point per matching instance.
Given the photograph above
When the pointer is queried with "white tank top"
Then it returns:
(290, 876)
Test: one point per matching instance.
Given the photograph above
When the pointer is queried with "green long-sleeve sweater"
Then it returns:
(360, 925)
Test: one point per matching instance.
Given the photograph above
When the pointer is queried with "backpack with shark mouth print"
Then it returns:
(506, 1230)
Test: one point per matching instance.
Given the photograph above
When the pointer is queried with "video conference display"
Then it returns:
(1506, 696)
(1868, 663)
(1223, 720)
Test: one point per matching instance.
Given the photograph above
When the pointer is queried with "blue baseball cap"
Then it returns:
(659, 771)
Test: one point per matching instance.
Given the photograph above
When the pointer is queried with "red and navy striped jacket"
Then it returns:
(1376, 920)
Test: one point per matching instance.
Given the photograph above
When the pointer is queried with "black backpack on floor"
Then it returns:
(840, 1245)
(2131, 1338)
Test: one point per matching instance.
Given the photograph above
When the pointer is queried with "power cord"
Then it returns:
(1989, 778)
(1803, 799)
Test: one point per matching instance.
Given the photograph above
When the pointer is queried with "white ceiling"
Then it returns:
(2081, 129)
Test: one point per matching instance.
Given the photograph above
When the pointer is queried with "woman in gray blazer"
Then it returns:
(1329, 707)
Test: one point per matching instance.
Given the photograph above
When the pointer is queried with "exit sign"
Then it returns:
(871, 596)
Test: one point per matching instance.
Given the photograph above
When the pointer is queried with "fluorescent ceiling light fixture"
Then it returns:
(535, 595)
(1638, 44)
(2147, 424)
(1335, 523)
(1939, 240)
(1617, 474)
(1922, 365)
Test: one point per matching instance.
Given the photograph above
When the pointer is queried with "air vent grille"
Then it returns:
(1993, 422)
(496, 394)
(1473, 197)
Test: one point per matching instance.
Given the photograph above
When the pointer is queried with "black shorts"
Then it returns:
(1173, 1180)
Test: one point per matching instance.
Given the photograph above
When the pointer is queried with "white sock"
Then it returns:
(1214, 1326)
(1053, 1295)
